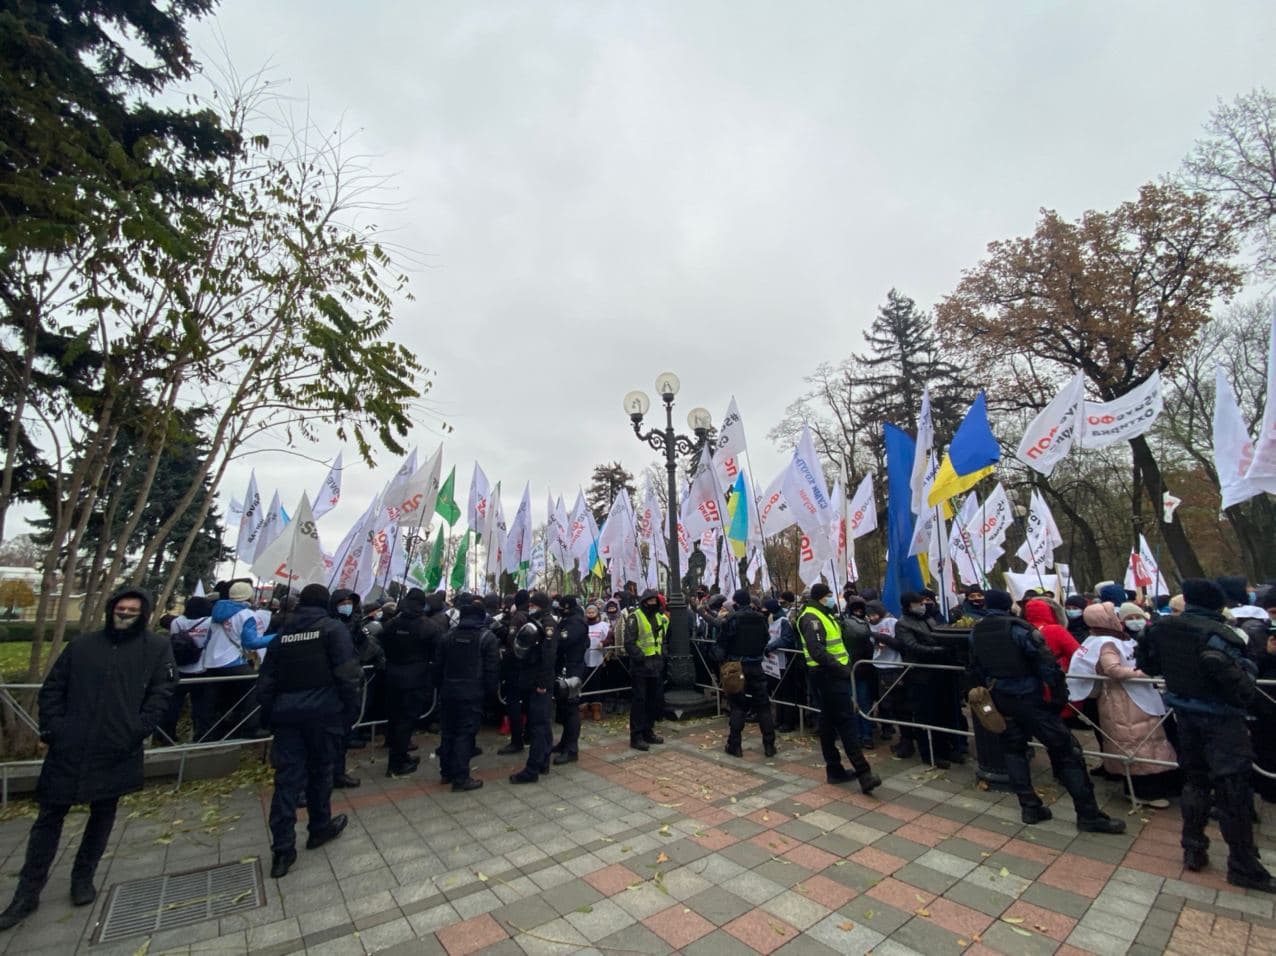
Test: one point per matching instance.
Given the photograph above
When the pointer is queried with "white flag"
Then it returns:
(413, 502)
(495, 534)
(1169, 505)
(1233, 451)
(480, 491)
(399, 480)
(518, 544)
(961, 542)
(774, 512)
(861, 517)
(704, 504)
(199, 588)
(249, 521)
(294, 557)
(995, 518)
(1123, 418)
(556, 529)
(350, 553)
(651, 529)
(1043, 536)
(235, 513)
(579, 537)
(924, 527)
(1052, 433)
(925, 465)
(1264, 464)
(330, 492)
(805, 493)
(1144, 572)
(272, 525)
(729, 447)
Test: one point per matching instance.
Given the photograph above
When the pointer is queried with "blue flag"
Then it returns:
(903, 573)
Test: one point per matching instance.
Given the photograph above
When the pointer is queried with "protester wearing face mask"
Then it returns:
(1130, 712)
(103, 697)
(1074, 609)
(829, 662)
(931, 693)
(344, 606)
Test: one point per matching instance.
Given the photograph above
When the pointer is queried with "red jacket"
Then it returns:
(1060, 641)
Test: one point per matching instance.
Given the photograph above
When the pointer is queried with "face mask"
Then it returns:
(345, 610)
(829, 602)
(1253, 596)
(1073, 613)
(124, 621)
(651, 608)
(1135, 625)
(916, 608)
(977, 602)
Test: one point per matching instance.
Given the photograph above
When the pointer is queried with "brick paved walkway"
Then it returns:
(682, 849)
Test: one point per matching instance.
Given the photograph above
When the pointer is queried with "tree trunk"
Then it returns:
(1181, 550)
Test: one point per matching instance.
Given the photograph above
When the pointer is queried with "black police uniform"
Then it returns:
(1010, 657)
(743, 637)
(466, 673)
(534, 649)
(308, 691)
(573, 642)
(513, 688)
(1210, 684)
(408, 641)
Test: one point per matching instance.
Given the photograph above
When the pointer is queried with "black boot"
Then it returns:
(469, 783)
(836, 773)
(23, 905)
(329, 833)
(732, 749)
(637, 743)
(869, 781)
(768, 747)
(281, 862)
(653, 738)
(1100, 824)
(1035, 814)
(402, 770)
(344, 781)
(1196, 860)
(83, 892)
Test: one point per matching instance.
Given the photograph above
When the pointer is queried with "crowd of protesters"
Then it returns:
(322, 661)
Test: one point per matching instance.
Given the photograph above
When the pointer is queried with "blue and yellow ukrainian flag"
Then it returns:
(972, 455)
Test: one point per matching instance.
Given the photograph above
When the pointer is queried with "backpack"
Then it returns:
(186, 650)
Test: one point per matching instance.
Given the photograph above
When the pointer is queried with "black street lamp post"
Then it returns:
(682, 695)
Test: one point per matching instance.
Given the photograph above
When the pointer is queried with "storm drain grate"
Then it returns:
(139, 907)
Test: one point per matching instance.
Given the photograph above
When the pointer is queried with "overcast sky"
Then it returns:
(602, 191)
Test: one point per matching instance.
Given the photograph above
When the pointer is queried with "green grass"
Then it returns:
(14, 657)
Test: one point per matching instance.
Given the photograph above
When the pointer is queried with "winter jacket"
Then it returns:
(408, 642)
(1132, 731)
(573, 642)
(234, 631)
(536, 669)
(103, 697)
(1058, 639)
(913, 635)
(480, 685)
(366, 647)
(335, 702)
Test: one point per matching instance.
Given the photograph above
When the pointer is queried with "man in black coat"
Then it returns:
(308, 690)
(512, 690)
(103, 697)
(743, 638)
(573, 642)
(534, 649)
(465, 673)
(408, 642)
(344, 605)
(931, 694)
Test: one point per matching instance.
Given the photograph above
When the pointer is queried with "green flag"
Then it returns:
(445, 505)
(434, 568)
(458, 569)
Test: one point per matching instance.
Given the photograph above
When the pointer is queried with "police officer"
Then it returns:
(573, 642)
(408, 641)
(534, 649)
(308, 692)
(743, 637)
(644, 630)
(1210, 683)
(466, 673)
(1010, 657)
(828, 663)
(511, 689)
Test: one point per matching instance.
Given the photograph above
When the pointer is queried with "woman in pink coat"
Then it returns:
(1130, 713)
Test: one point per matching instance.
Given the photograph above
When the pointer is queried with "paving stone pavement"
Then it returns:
(682, 849)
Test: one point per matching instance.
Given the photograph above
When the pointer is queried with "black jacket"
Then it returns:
(408, 642)
(573, 642)
(103, 697)
(336, 703)
(366, 646)
(536, 668)
(917, 644)
(481, 686)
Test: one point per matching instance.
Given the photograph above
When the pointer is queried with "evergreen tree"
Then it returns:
(903, 359)
(604, 484)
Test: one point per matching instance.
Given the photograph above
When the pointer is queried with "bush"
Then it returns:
(25, 630)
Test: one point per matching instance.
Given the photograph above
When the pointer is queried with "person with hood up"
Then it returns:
(971, 608)
(1247, 616)
(189, 631)
(1131, 713)
(645, 629)
(344, 606)
(1074, 610)
(466, 673)
(408, 640)
(829, 662)
(234, 632)
(743, 638)
(308, 691)
(103, 697)
(1047, 617)
(859, 641)
(536, 652)
(572, 645)
(1209, 681)
(1010, 658)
